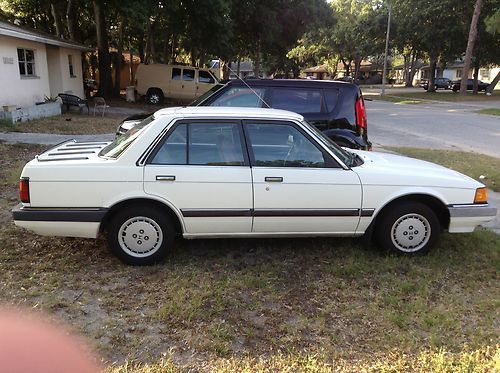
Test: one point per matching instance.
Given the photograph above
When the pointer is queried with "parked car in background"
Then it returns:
(201, 172)
(439, 83)
(335, 108)
(481, 86)
(183, 83)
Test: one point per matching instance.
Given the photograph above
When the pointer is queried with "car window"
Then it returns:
(187, 75)
(282, 145)
(210, 144)
(331, 99)
(176, 74)
(297, 100)
(240, 97)
(205, 77)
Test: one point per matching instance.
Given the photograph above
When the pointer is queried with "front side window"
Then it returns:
(26, 59)
(188, 75)
(297, 100)
(240, 97)
(282, 145)
(208, 144)
(205, 77)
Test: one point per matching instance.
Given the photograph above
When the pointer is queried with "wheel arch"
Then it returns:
(153, 203)
(433, 202)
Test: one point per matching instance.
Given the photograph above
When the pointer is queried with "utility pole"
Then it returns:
(387, 34)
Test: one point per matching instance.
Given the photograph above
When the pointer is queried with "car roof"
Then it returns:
(240, 112)
(298, 83)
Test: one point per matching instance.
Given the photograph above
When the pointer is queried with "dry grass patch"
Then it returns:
(471, 164)
(69, 123)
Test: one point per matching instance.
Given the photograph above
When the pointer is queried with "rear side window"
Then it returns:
(210, 144)
(240, 97)
(331, 99)
(205, 77)
(176, 74)
(297, 100)
(188, 75)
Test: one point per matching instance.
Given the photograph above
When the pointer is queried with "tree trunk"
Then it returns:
(413, 69)
(475, 78)
(131, 67)
(57, 21)
(470, 46)
(357, 66)
(493, 84)
(105, 81)
(256, 66)
(406, 68)
(238, 66)
(118, 60)
(432, 72)
(71, 21)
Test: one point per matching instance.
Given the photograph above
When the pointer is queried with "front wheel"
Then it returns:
(140, 236)
(409, 228)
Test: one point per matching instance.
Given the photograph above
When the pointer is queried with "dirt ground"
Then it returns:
(240, 299)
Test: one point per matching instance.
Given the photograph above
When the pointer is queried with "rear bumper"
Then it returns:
(67, 222)
(464, 218)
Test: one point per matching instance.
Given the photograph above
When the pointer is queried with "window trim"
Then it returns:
(330, 162)
(166, 135)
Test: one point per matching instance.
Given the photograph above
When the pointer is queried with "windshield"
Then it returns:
(204, 96)
(122, 142)
(345, 156)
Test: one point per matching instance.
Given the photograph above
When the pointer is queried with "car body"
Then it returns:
(206, 172)
(182, 83)
(481, 86)
(443, 83)
(336, 108)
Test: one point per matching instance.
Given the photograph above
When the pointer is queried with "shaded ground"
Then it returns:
(255, 299)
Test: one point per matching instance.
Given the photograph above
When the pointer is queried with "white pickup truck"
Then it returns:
(201, 172)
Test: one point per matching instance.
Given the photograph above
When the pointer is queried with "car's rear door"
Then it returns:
(298, 186)
(201, 168)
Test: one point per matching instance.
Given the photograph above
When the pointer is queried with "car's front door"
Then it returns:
(202, 169)
(298, 186)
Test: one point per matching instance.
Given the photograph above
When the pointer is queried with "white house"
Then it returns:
(34, 66)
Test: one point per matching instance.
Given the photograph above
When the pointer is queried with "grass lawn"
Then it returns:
(301, 305)
(471, 164)
(396, 99)
(450, 96)
(71, 123)
(490, 111)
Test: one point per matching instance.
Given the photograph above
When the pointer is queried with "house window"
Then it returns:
(459, 73)
(70, 64)
(26, 59)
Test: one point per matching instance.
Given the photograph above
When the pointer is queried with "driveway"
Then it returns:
(438, 125)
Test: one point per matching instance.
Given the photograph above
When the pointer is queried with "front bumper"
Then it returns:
(66, 222)
(464, 218)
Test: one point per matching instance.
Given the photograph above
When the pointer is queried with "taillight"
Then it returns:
(24, 189)
(360, 113)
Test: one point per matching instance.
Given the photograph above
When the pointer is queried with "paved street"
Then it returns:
(437, 125)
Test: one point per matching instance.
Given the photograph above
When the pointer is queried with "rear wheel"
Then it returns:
(140, 236)
(409, 228)
(155, 96)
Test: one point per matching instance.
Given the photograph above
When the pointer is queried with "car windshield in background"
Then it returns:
(118, 146)
(345, 156)
(208, 93)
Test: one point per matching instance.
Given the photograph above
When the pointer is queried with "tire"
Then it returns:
(409, 228)
(155, 96)
(140, 235)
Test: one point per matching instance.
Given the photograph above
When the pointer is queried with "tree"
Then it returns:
(470, 46)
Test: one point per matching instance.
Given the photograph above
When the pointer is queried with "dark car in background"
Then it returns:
(336, 108)
(439, 83)
(481, 86)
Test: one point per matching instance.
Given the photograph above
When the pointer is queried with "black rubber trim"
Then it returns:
(64, 215)
(192, 213)
(367, 212)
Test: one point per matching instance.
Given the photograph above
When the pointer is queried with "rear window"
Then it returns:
(331, 99)
(297, 100)
(240, 97)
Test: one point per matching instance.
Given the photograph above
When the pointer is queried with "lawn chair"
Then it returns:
(100, 103)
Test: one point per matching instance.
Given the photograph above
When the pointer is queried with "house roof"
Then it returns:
(364, 66)
(8, 29)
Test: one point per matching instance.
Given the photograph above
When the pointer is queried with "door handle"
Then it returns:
(271, 179)
(165, 177)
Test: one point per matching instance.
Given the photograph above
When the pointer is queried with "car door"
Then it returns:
(200, 167)
(188, 84)
(176, 84)
(298, 186)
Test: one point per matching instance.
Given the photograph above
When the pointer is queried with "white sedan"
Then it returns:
(203, 172)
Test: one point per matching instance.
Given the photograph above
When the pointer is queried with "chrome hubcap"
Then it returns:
(154, 98)
(410, 232)
(140, 236)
